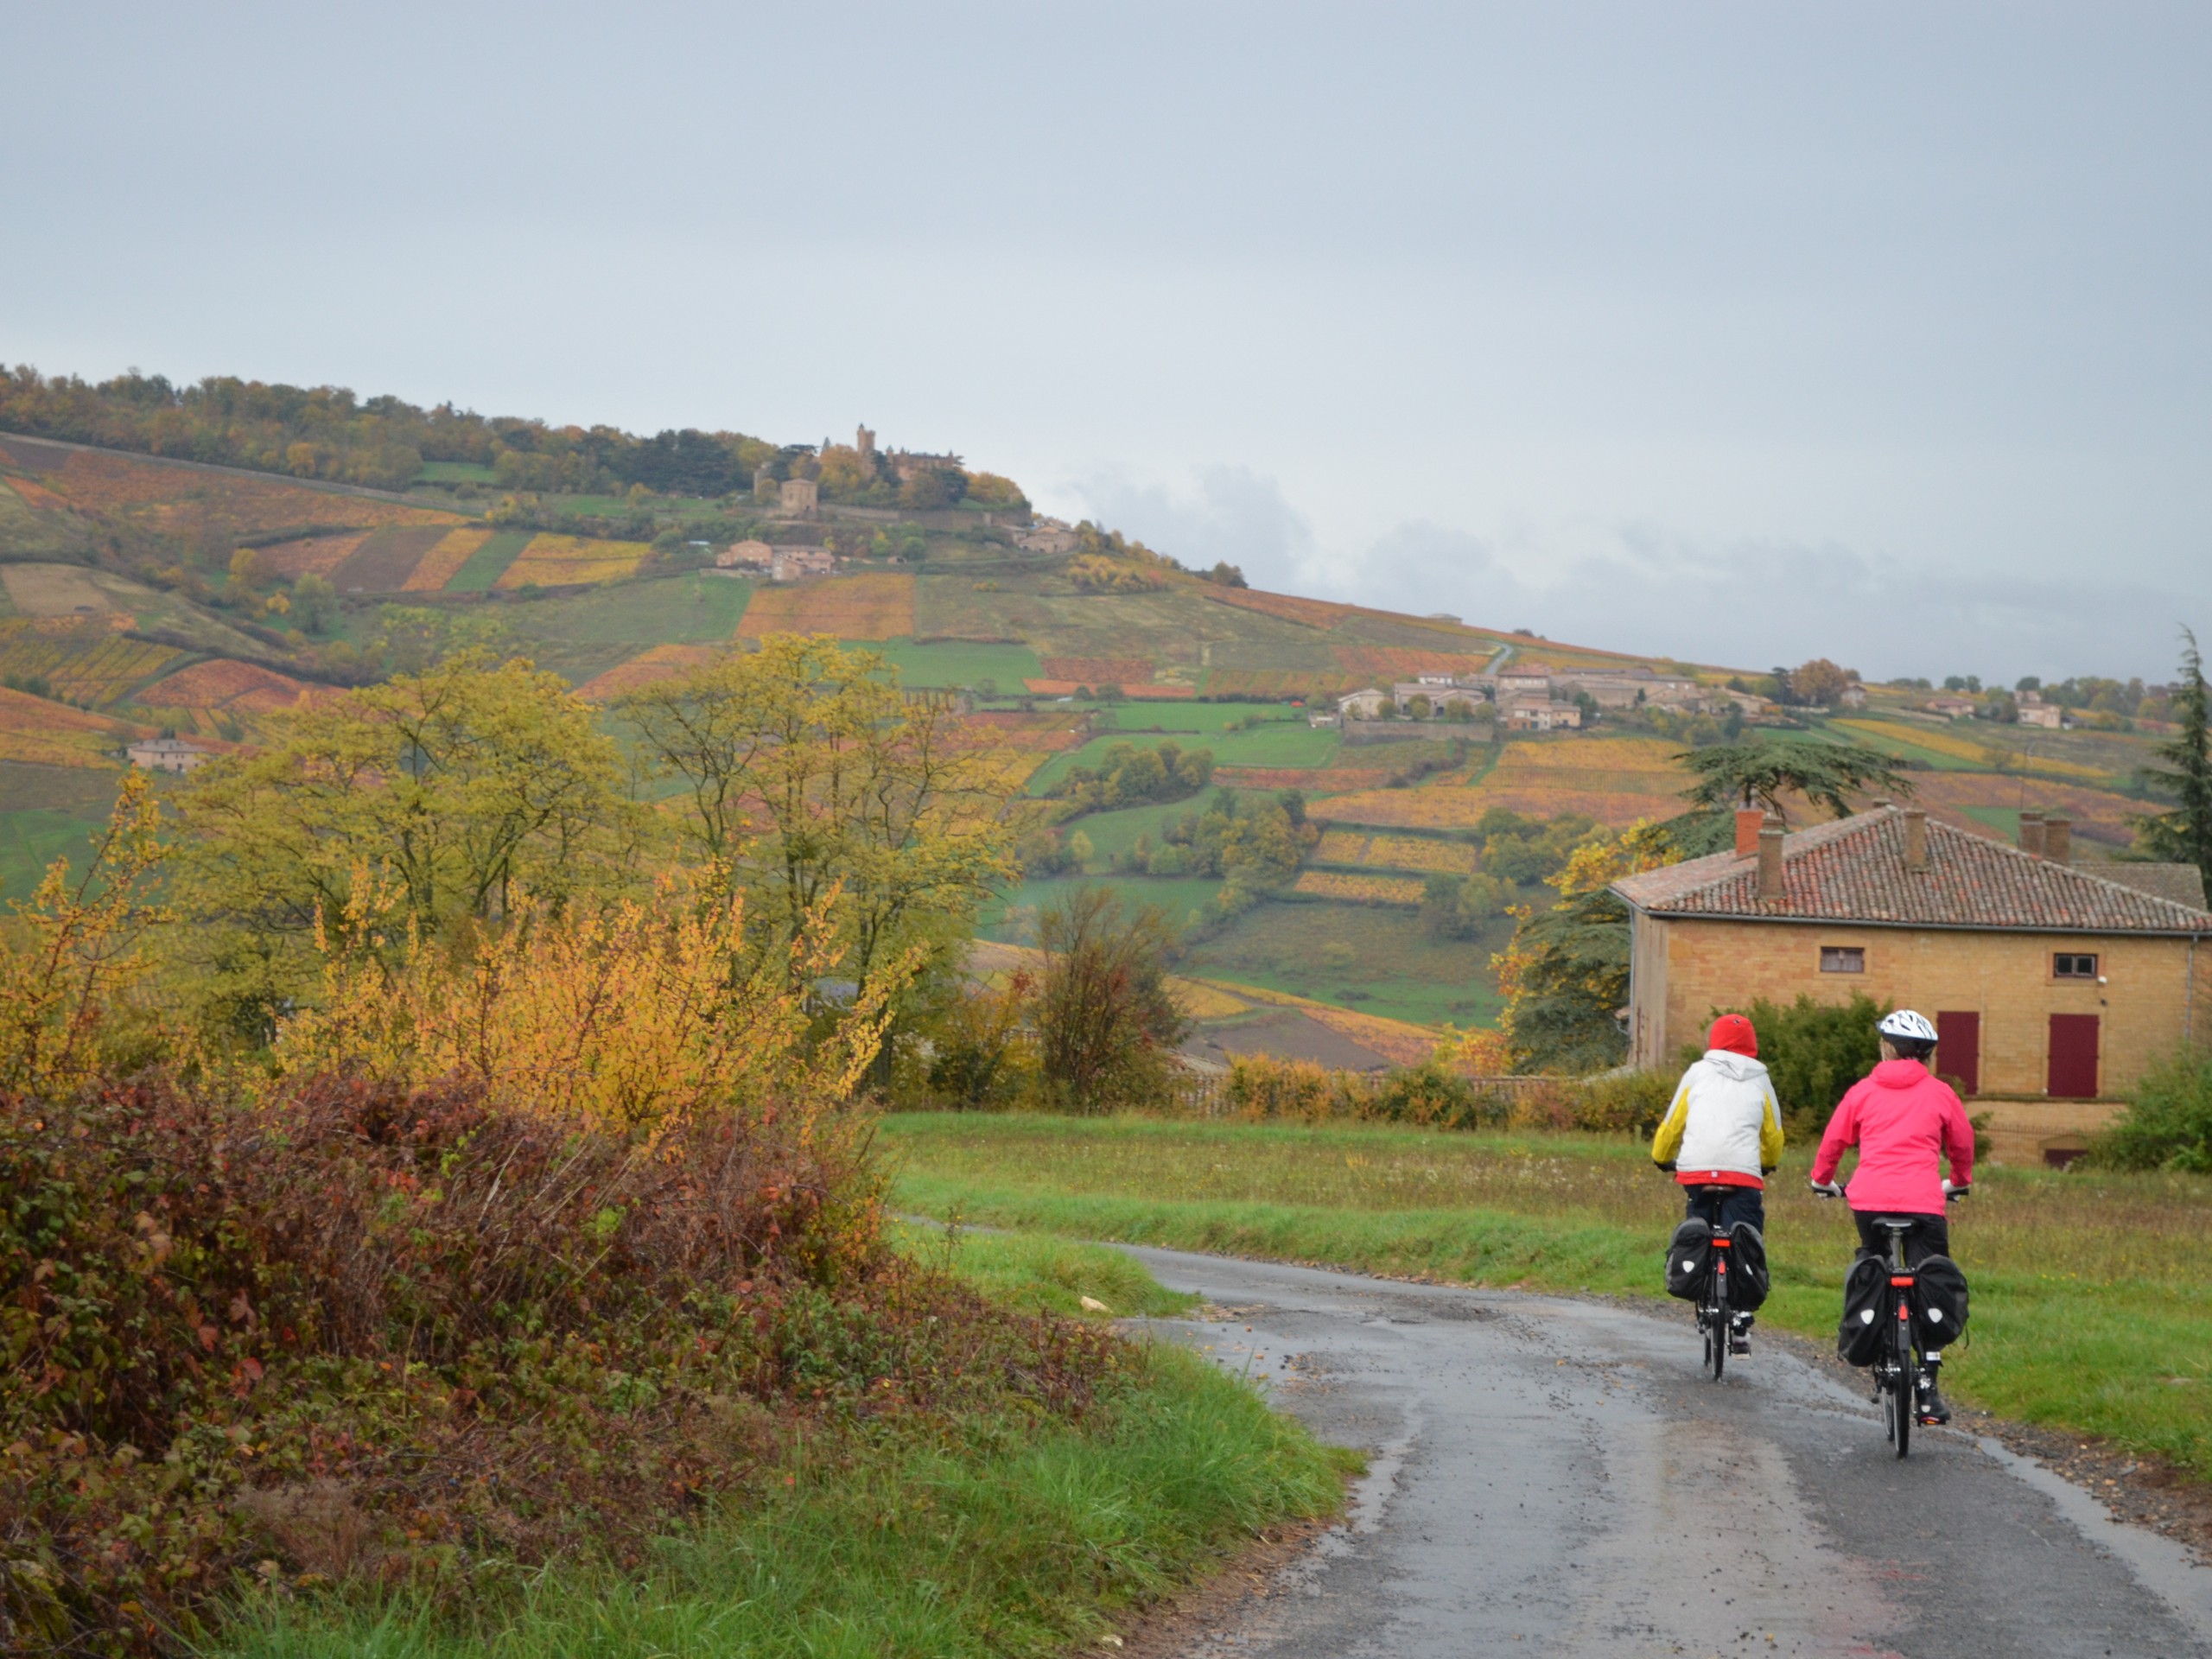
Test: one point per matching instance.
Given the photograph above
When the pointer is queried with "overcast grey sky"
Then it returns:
(1746, 331)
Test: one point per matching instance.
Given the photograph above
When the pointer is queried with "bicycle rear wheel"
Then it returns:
(1904, 1398)
(1716, 1334)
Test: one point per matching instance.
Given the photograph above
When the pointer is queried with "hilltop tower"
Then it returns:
(864, 441)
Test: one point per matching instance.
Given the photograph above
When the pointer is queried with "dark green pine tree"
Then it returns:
(2184, 834)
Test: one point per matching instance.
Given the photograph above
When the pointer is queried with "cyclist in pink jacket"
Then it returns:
(1905, 1122)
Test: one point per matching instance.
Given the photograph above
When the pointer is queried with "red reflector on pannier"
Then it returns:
(1903, 1279)
(1722, 1244)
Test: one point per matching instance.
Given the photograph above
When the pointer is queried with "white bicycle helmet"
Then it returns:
(1905, 1023)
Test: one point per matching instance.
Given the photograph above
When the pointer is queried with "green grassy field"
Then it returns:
(1007, 1540)
(47, 812)
(581, 634)
(455, 471)
(1113, 833)
(1207, 718)
(1279, 743)
(1322, 950)
(2091, 1291)
(1177, 896)
(959, 661)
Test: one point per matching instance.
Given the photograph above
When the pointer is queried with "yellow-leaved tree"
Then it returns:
(459, 788)
(807, 771)
(635, 1012)
(72, 949)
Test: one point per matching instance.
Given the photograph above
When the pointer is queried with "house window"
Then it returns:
(2071, 964)
(1843, 959)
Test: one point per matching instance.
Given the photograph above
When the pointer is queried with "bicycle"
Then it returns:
(1898, 1375)
(1713, 1315)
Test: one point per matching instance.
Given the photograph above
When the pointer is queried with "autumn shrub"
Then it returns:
(1437, 1095)
(2169, 1124)
(364, 1330)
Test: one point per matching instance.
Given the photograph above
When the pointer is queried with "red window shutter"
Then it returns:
(1958, 1050)
(2073, 1055)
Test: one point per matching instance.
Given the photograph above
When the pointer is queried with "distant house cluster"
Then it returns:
(1537, 697)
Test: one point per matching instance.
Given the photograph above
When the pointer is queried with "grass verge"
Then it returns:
(1006, 1537)
(2091, 1291)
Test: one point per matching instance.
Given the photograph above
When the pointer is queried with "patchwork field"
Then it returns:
(1284, 607)
(484, 568)
(1978, 746)
(1422, 853)
(1358, 889)
(383, 561)
(1375, 959)
(46, 733)
(1615, 780)
(661, 662)
(1098, 670)
(237, 687)
(1990, 802)
(875, 605)
(959, 663)
(1382, 664)
(56, 590)
(445, 561)
(312, 555)
(82, 660)
(1280, 684)
(564, 561)
(179, 498)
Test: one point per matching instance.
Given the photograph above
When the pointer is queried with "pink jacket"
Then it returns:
(1899, 1118)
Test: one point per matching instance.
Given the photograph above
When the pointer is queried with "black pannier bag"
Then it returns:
(1747, 1279)
(1860, 1336)
(1939, 1302)
(1689, 1259)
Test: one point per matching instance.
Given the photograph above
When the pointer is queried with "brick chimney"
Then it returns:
(1916, 840)
(2059, 838)
(1770, 858)
(1748, 819)
(2032, 833)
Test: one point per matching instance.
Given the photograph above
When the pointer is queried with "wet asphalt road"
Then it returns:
(1559, 1477)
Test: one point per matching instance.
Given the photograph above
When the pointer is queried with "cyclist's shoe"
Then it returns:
(1932, 1408)
(1739, 1343)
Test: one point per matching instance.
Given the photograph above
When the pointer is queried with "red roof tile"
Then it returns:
(1852, 870)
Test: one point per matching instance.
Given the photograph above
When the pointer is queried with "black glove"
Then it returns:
(1665, 1169)
(1769, 1169)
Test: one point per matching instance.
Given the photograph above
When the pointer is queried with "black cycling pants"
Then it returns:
(1931, 1235)
(1734, 1204)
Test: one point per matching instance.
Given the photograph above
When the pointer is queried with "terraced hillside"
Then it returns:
(140, 593)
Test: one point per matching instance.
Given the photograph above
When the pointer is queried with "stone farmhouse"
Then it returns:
(1538, 715)
(746, 556)
(1526, 680)
(1440, 690)
(2034, 711)
(1366, 703)
(167, 754)
(1951, 707)
(792, 563)
(2046, 980)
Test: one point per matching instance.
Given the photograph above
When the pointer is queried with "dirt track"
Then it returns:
(1557, 1477)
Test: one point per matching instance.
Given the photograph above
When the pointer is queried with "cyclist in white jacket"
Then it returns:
(1723, 1129)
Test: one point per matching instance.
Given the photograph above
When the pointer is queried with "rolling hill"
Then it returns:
(140, 593)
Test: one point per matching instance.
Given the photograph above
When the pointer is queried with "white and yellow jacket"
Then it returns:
(1724, 1127)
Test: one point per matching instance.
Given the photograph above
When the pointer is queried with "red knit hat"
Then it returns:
(1733, 1032)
